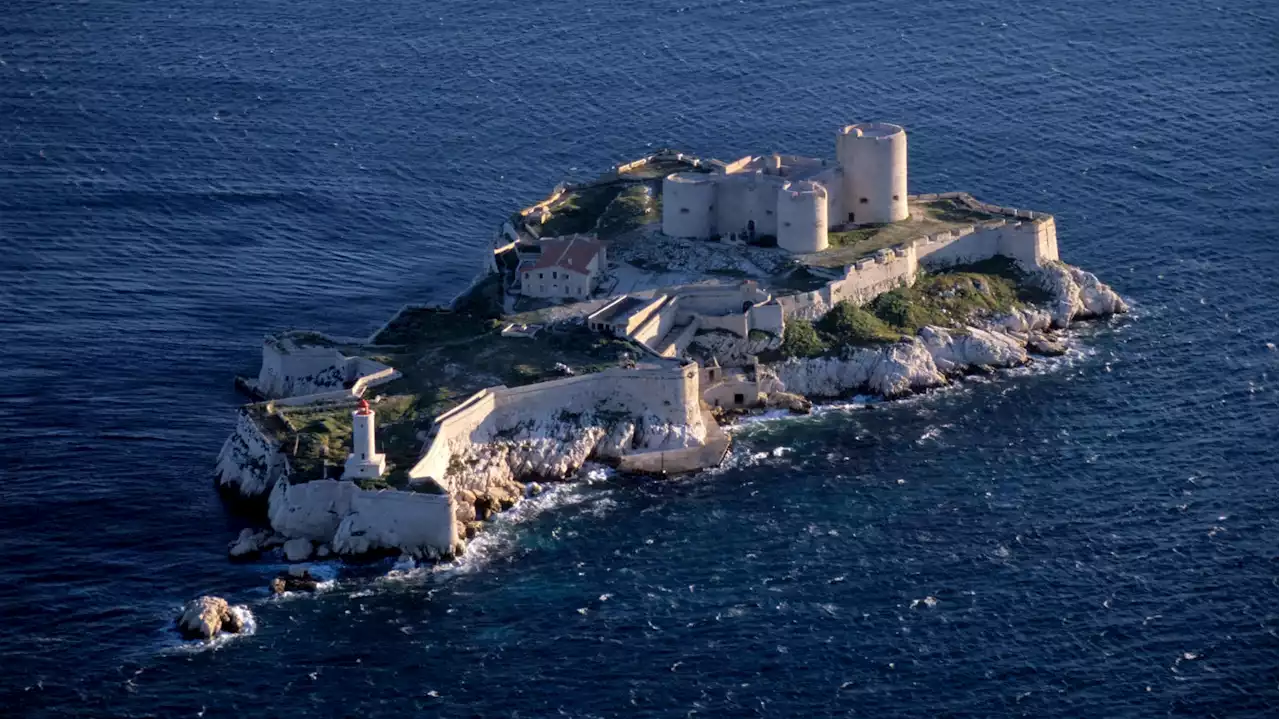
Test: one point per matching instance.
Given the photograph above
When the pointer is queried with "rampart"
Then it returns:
(1026, 237)
(666, 394)
(308, 367)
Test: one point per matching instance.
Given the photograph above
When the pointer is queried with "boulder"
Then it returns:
(1044, 344)
(297, 579)
(794, 403)
(297, 550)
(250, 543)
(323, 551)
(204, 617)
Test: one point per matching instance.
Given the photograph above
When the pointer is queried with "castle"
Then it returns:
(795, 199)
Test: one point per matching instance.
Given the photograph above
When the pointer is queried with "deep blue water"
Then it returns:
(1099, 536)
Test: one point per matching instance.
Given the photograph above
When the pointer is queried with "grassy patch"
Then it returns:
(854, 237)
(950, 299)
(949, 210)
(634, 207)
(849, 325)
(578, 211)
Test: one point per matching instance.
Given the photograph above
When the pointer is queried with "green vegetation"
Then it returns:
(948, 300)
(854, 237)
(634, 207)
(849, 325)
(799, 339)
(950, 210)
(760, 335)
(579, 210)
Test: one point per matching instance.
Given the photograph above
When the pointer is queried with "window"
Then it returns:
(526, 275)
(862, 200)
(786, 224)
(851, 217)
(738, 398)
(895, 198)
(553, 275)
(539, 275)
(769, 213)
(684, 210)
(711, 374)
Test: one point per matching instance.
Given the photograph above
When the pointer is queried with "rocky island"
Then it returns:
(623, 320)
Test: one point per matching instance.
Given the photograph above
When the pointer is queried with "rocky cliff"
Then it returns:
(936, 353)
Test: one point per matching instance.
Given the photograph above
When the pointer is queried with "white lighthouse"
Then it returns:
(364, 461)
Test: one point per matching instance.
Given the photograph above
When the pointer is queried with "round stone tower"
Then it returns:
(802, 217)
(688, 205)
(873, 158)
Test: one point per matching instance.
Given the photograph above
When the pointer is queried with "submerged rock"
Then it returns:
(1044, 344)
(297, 579)
(204, 617)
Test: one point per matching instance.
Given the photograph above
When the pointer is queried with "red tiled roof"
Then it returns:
(573, 254)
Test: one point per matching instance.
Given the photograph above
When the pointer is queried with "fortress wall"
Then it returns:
(768, 317)
(746, 198)
(302, 370)
(398, 519)
(356, 520)
(667, 395)
(652, 330)
(738, 324)
(961, 246)
(870, 277)
(676, 345)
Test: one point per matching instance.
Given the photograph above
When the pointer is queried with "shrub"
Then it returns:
(850, 325)
(799, 339)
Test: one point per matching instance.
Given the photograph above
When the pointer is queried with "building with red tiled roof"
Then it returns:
(566, 267)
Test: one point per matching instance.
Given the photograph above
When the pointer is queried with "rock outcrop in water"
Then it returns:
(1077, 294)
(206, 617)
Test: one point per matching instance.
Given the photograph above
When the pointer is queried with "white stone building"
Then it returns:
(795, 199)
(567, 267)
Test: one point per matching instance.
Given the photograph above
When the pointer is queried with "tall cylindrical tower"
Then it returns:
(873, 157)
(688, 205)
(802, 217)
(362, 431)
(364, 460)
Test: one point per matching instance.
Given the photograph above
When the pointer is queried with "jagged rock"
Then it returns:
(323, 551)
(791, 402)
(533, 489)
(297, 579)
(250, 543)
(1044, 344)
(1077, 294)
(297, 550)
(890, 371)
(1023, 320)
(955, 351)
(204, 617)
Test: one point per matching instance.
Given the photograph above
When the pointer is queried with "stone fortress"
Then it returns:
(796, 199)
(655, 411)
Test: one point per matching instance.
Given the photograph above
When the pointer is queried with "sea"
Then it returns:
(1094, 536)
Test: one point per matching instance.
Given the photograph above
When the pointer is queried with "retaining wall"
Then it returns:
(667, 394)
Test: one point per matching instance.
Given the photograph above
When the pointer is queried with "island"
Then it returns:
(627, 320)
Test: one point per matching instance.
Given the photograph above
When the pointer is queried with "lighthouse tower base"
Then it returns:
(357, 468)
